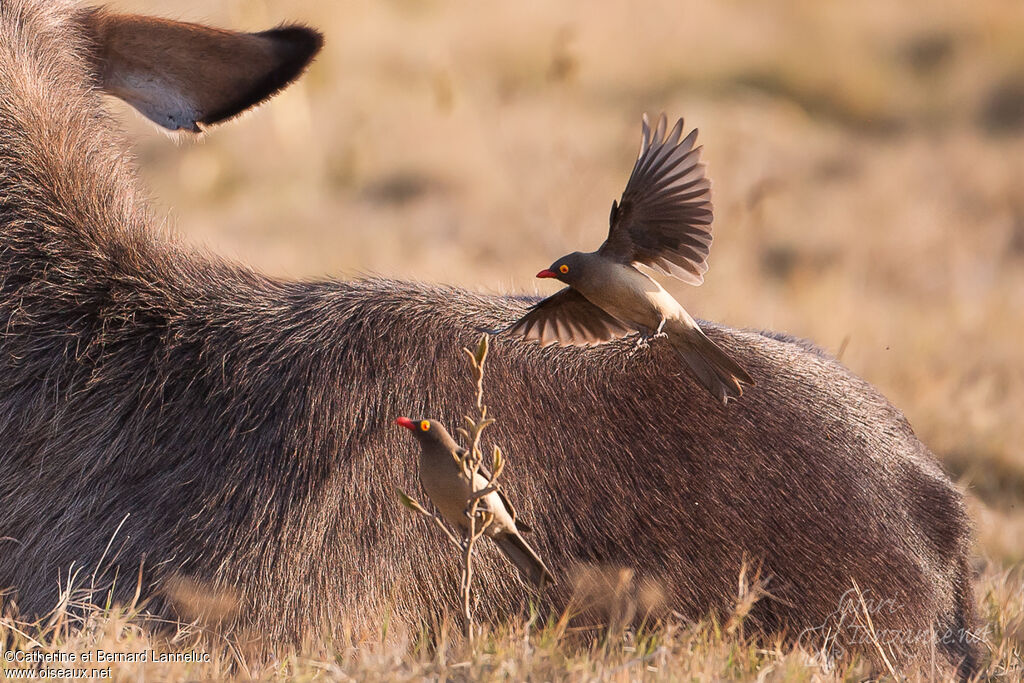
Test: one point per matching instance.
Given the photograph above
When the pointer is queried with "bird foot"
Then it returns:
(643, 341)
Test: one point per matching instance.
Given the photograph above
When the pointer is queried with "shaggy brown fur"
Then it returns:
(241, 427)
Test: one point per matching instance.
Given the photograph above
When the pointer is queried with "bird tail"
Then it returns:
(712, 366)
(525, 559)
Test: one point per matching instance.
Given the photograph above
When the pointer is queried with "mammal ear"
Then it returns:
(181, 75)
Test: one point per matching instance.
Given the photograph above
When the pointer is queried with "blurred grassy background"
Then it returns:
(867, 158)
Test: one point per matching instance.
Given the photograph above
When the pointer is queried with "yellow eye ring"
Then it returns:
(563, 269)
(425, 425)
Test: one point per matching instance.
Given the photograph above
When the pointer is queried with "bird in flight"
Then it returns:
(663, 222)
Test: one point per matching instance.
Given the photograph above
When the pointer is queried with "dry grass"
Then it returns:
(526, 650)
(867, 160)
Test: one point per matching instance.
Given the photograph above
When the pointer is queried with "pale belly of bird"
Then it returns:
(449, 494)
(643, 303)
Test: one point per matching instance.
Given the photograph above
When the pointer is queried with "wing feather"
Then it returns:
(568, 319)
(663, 219)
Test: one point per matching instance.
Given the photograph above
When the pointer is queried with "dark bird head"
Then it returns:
(568, 269)
(428, 432)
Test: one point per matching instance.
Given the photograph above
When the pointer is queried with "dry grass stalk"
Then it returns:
(471, 462)
(872, 633)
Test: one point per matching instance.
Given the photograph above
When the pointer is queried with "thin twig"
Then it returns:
(483, 493)
(478, 519)
(471, 465)
(414, 505)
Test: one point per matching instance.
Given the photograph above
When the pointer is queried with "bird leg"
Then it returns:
(640, 343)
(645, 335)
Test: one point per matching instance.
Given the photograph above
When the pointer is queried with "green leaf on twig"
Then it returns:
(497, 463)
(481, 350)
(407, 500)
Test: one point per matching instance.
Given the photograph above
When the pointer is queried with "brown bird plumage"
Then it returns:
(447, 485)
(662, 221)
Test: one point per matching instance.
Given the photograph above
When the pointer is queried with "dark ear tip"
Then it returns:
(294, 46)
(297, 44)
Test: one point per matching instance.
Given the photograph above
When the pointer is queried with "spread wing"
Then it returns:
(663, 219)
(485, 472)
(567, 318)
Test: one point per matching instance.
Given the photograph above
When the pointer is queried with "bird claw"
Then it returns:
(643, 341)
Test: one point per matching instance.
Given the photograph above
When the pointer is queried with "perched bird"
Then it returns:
(447, 486)
(663, 221)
